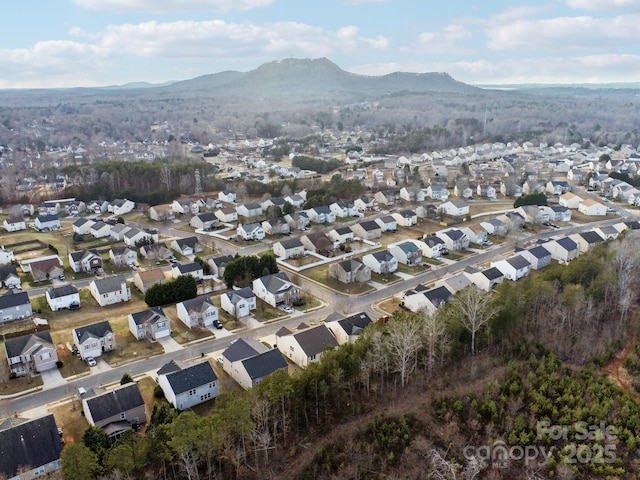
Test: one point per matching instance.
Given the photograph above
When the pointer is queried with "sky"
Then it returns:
(70, 43)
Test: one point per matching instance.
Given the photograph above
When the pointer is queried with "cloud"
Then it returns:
(362, 2)
(605, 5)
(203, 39)
(524, 11)
(165, 6)
(447, 40)
(565, 32)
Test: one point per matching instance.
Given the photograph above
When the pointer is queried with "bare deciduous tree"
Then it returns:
(403, 344)
(474, 308)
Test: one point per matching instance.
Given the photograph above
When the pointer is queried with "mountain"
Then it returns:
(315, 78)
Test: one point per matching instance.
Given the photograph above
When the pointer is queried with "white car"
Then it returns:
(91, 361)
(287, 309)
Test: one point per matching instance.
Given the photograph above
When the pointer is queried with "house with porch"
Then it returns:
(115, 411)
(95, 339)
(31, 353)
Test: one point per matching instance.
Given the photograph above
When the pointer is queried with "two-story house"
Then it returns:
(190, 268)
(32, 353)
(305, 344)
(348, 329)
(95, 339)
(367, 230)
(350, 271)
(144, 279)
(289, 248)
(382, 262)
(115, 411)
(85, 261)
(248, 361)
(14, 305)
(187, 246)
(62, 297)
(251, 231)
(150, 324)
(187, 386)
(238, 303)
(14, 224)
(513, 268)
(46, 223)
(110, 290)
(407, 253)
(197, 312)
(276, 289)
(121, 256)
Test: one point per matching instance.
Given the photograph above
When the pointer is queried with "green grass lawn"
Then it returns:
(388, 278)
(320, 274)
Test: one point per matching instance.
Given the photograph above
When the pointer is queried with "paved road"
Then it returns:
(331, 298)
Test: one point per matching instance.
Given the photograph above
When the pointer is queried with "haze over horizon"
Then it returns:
(86, 43)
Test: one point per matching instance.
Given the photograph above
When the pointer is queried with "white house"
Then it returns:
(485, 279)
(95, 339)
(454, 239)
(250, 231)
(456, 207)
(120, 206)
(110, 290)
(276, 289)
(118, 231)
(249, 210)
(6, 256)
(382, 262)
(249, 361)
(85, 261)
(226, 214)
(100, 229)
(305, 344)
(185, 387)
(563, 249)
(189, 268)
(238, 303)
(513, 268)
(228, 196)
(65, 296)
(343, 209)
(291, 247)
(151, 324)
(406, 218)
(423, 298)
(407, 253)
(197, 312)
(14, 224)
(349, 329)
(570, 200)
(539, 257)
(45, 223)
(592, 207)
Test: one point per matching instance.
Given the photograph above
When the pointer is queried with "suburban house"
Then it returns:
(586, 240)
(607, 232)
(248, 361)
(273, 202)
(485, 279)
(185, 205)
(289, 248)
(118, 231)
(85, 261)
(343, 209)
(32, 353)
(185, 387)
(296, 200)
(349, 329)
(365, 204)
(387, 198)
(412, 193)
(367, 230)
(454, 283)
(405, 218)
(100, 229)
(30, 448)
(144, 279)
(156, 251)
(95, 339)
(455, 208)
(454, 239)
(14, 305)
(276, 226)
(6, 256)
(305, 344)
(495, 227)
(592, 207)
(563, 250)
(187, 246)
(297, 221)
(407, 253)
(238, 303)
(422, 298)
(350, 271)
(150, 324)
(228, 196)
(533, 214)
(341, 234)
(387, 223)
(115, 411)
(136, 237)
(249, 210)
(557, 187)
(46, 268)
(539, 257)
(251, 231)
(430, 246)
(317, 242)
(50, 207)
(98, 206)
(275, 289)
(121, 256)
(382, 262)
(321, 214)
(487, 191)
(120, 206)
(513, 268)
(204, 221)
(475, 233)
(570, 200)
(190, 268)
(65, 296)
(9, 277)
(226, 214)
(558, 213)
(161, 213)
(110, 290)
(46, 223)
(218, 264)
(197, 312)
(437, 192)
(14, 224)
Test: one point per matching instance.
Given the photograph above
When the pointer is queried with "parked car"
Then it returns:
(217, 324)
(287, 309)
(91, 361)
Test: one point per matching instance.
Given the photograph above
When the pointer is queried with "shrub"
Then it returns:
(157, 392)
(59, 364)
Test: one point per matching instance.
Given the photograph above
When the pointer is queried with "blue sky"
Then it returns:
(66, 43)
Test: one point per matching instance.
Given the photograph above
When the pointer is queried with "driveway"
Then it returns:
(52, 378)
(223, 332)
(169, 344)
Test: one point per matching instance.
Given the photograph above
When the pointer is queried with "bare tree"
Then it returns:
(165, 176)
(403, 344)
(625, 263)
(434, 329)
(474, 308)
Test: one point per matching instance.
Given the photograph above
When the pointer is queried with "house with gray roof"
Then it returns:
(486, 279)
(382, 262)
(276, 289)
(348, 329)
(367, 230)
(185, 387)
(46, 223)
(34, 444)
(151, 324)
(248, 361)
(350, 271)
(115, 411)
(14, 305)
(110, 290)
(289, 248)
(9, 277)
(85, 261)
(407, 253)
(218, 264)
(189, 268)
(123, 255)
(82, 226)
(64, 296)
(305, 344)
(513, 268)
(187, 246)
(238, 303)
(95, 339)
(538, 256)
(197, 312)
(563, 249)
(32, 353)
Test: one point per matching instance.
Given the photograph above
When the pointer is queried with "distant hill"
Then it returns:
(315, 78)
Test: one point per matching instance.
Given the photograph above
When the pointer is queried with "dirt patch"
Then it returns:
(614, 368)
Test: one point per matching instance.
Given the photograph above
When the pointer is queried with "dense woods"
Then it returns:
(408, 397)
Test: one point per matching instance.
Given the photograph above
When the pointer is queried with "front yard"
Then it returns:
(320, 274)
